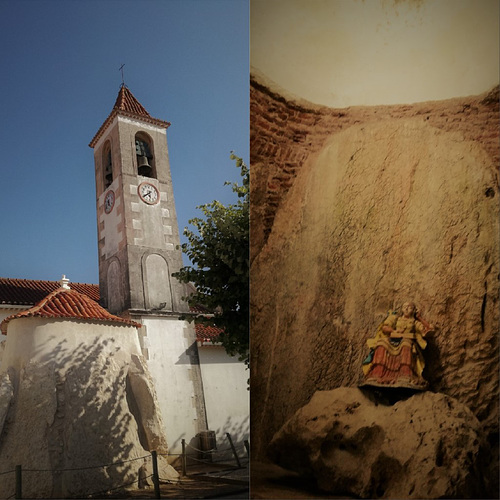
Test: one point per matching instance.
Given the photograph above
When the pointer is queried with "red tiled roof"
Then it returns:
(207, 333)
(68, 303)
(199, 309)
(127, 105)
(127, 102)
(29, 292)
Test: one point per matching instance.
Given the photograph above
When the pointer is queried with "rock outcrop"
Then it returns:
(79, 410)
(427, 446)
(354, 212)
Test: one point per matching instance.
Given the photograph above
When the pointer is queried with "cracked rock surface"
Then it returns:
(426, 446)
(387, 211)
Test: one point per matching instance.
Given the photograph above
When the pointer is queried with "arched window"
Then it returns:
(107, 165)
(145, 157)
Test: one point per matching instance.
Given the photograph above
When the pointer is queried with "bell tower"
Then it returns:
(138, 235)
(139, 249)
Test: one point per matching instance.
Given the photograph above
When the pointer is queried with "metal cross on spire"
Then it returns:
(123, 80)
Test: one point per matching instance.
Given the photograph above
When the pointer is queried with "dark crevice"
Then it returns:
(440, 454)
(483, 309)
(136, 412)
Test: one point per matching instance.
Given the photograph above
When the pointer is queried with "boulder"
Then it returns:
(426, 446)
(81, 417)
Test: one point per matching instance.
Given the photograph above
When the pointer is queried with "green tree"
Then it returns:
(218, 248)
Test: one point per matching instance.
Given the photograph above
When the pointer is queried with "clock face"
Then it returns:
(148, 193)
(109, 201)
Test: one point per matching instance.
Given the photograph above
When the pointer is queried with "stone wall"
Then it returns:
(354, 211)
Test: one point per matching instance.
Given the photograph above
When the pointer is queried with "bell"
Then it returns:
(143, 167)
(108, 175)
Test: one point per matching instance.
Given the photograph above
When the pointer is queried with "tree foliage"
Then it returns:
(218, 248)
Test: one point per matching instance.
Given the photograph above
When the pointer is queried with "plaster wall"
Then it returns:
(347, 53)
(174, 366)
(7, 311)
(227, 399)
(4, 313)
(43, 340)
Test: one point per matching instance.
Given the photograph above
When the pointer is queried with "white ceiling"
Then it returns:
(366, 52)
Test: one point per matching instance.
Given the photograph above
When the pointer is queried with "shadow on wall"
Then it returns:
(69, 423)
(189, 356)
(192, 445)
(239, 430)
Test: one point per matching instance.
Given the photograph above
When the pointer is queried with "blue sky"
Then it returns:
(186, 61)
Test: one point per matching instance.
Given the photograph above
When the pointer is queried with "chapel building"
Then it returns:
(199, 388)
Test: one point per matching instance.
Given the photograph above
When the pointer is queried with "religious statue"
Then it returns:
(396, 356)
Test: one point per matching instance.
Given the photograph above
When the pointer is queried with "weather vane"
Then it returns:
(123, 80)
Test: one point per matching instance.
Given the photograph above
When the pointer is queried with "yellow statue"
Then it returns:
(396, 352)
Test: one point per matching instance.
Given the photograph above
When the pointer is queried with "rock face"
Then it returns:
(78, 408)
(382, 205)
(427, 446)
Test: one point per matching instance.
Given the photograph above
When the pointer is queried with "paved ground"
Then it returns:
(202, 481)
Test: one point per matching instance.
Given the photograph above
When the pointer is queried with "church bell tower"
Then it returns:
(139, 245)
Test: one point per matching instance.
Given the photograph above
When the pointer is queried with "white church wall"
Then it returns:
(41, 339)
(227, 398)
(8, 310)
(168, 341)
(79, 398)
(5, 311)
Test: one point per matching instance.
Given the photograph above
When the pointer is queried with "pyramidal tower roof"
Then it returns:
(67, 303)
(127, 102)
(127, 105)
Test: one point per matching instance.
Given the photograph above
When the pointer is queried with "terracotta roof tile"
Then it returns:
(199, 309)
(127, 102)
(68, 303)
(29, 292)
(127, 105)
(207, 333)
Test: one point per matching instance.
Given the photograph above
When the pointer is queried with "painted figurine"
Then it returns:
(396, 352)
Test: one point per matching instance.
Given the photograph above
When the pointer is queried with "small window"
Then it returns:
(145, 159)
(107, 165)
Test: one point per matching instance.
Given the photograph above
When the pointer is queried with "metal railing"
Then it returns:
(19, 471)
